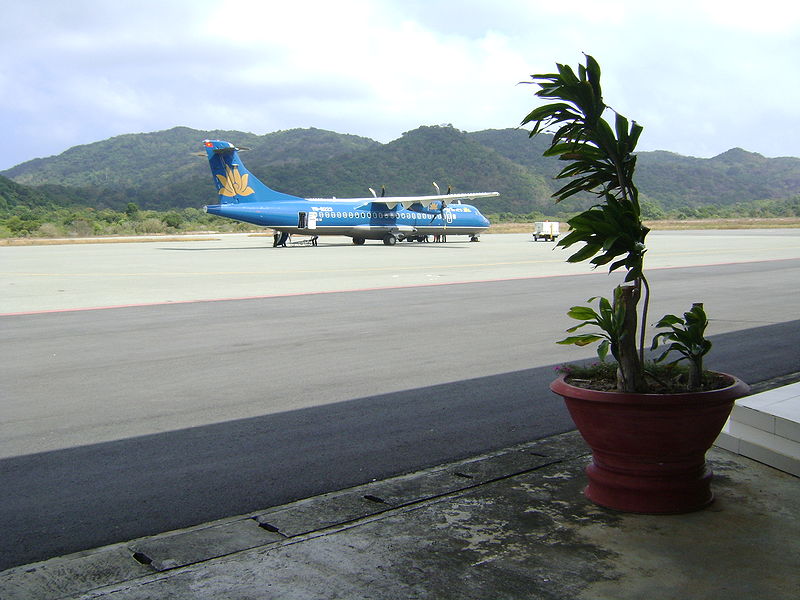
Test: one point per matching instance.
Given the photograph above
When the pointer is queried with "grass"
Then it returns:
(741, 223)
(98, 240)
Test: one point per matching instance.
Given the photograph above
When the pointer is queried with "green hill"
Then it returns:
(13, 195)
(731, 177)
(410, 165)
(669, 179)
(157, 171)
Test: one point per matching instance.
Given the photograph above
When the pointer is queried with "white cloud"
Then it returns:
(763, 17)
(701, 77)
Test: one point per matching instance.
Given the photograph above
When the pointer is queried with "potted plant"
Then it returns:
(650, 432)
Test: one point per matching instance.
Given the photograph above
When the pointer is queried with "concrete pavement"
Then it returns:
(225, 266)
(510, 524)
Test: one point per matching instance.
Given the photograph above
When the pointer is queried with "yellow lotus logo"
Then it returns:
(234, 183)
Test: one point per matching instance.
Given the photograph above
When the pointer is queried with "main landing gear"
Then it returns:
(391, 239)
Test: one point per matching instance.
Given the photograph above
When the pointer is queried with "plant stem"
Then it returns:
(645, 307)
(630, 377)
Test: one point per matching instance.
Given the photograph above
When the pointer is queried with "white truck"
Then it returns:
(545, 230)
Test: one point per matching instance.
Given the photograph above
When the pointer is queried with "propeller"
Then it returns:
(443, 204)
(374, 195)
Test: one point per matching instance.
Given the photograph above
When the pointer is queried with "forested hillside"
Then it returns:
(159, 171)
(733, 176)
(13, 195)
(410, 165)
(670, 180)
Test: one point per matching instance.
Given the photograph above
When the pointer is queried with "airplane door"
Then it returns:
(312, 220)
(301, 220)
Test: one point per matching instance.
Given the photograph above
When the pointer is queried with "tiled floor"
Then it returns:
(766, 428)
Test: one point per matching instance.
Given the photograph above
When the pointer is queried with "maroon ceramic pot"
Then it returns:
(649, 450)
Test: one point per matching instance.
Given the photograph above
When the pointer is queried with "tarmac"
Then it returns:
(509, 524)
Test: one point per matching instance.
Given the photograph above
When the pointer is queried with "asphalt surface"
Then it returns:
(510, 524)
(126, 422)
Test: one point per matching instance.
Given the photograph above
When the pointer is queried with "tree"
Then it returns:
(172, 219)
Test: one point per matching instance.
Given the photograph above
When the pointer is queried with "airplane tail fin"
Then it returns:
(234, 182)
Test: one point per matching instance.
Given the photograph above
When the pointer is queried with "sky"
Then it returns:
(701, 76)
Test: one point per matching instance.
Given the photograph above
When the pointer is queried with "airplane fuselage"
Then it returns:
(353, 219)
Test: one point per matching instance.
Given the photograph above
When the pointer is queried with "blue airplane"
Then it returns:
(243, 197)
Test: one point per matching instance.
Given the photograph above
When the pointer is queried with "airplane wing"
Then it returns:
(408, 201)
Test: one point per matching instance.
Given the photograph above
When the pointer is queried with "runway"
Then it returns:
(79, 276)
(236, 376)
